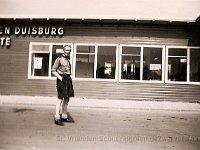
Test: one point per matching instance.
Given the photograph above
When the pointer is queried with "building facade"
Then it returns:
(111, 59)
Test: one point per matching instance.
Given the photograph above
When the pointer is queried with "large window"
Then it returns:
(141, 63)
(130, 65)
(138, 63)
(195, 65)
(41, 59)
(152, 63)
(95, 61)
(85, 57)
(183, 64)
(177, 64)
(106, 62)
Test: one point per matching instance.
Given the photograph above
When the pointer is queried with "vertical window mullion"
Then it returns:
(117, 64)
(163, 63)
(141, 63)
(72, 59)
(74, 62)
(33, 70)
(120, 63)
(50, 60)
(166, 65)
(188, 65)
(30, 61)
(95, 62)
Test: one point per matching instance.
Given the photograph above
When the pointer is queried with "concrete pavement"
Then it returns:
(31, 127)
(97, 103)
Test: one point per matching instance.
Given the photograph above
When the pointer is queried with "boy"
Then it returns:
(62, 70)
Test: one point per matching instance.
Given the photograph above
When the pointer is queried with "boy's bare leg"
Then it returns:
(57, 119)
(65, 108)
(58, 106)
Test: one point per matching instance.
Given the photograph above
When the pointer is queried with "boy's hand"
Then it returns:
(60, 78)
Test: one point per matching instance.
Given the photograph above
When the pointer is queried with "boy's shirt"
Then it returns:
(62, 65)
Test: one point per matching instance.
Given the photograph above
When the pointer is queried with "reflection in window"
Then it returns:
(195, 65)
(85, 58)
(152, 63)
(130, 63)
(177, 64)
(106, 62)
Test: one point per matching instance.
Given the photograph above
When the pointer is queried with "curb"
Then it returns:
(105, 104)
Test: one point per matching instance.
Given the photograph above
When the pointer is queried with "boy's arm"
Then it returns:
(57, 75)
(54, 69)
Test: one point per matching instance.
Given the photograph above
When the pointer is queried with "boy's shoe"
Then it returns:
(69, 120)
(65, 119)
(59, 122)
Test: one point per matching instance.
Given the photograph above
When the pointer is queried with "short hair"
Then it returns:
(66, 45)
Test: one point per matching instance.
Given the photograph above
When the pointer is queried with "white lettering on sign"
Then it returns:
(24, 31)
(17, 30)
(53, 31)
(38, 31)
(60, 31)
(5, 41)
(34, 30)
(6, 30)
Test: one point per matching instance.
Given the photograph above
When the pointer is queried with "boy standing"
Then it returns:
(62, 70)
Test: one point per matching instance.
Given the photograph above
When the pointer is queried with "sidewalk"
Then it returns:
(97, 103)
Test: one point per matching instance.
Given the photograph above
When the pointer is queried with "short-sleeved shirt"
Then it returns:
(62, 65)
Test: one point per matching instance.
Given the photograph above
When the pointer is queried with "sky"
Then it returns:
(182, 10)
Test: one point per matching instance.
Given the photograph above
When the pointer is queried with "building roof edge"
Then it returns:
(30, 17)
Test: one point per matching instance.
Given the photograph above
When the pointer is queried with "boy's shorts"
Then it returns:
(65, 87)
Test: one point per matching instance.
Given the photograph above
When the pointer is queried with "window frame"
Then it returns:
(95, 61)
(50, 58)
(165, 58)
(191, 82)
(74, 61)
(188, 65)
(141, 63)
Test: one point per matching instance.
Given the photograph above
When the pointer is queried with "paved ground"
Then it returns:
(103, 103)
(30, 127)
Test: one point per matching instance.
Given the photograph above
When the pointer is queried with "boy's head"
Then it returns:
(66, 50)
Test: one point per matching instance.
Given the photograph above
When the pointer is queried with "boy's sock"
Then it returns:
(64, 116)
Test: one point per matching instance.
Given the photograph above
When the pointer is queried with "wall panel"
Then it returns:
(14, 63)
